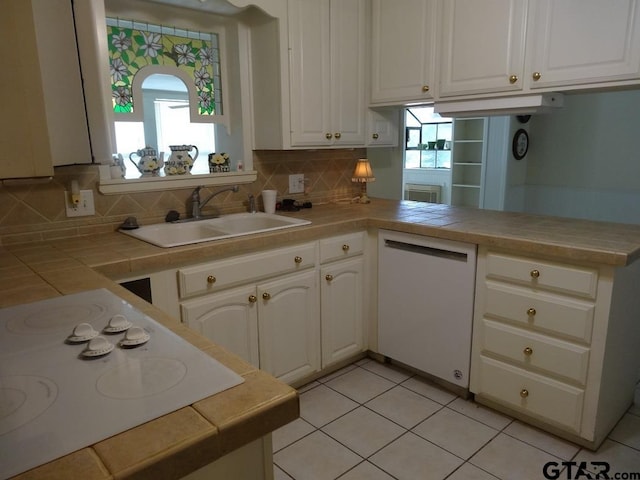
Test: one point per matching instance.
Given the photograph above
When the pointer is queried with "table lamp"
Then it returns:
(363, 174)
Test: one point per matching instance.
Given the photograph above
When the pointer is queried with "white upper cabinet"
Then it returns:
(41, 91)
(482, 46)
(326, 60)
(402, 50)
(576, 42)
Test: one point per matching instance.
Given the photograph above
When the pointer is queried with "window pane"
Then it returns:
(412, 159)
(429, 132)
(129, 138)
(444, 131)
(428, 159)
(443, 159)
(413, 137)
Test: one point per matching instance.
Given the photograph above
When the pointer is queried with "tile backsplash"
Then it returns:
(37, 212)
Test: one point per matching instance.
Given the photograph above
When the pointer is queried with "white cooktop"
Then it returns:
(57, 396)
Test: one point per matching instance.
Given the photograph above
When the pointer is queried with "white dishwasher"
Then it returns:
(425, 303)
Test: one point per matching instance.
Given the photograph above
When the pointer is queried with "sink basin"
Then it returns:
(228, 226)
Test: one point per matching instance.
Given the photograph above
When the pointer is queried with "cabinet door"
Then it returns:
(326, 43)
(583, 41)
(383, 128)
(482, 47)
(347, 35)
(341, 291)
(43, 87)
(289, 326)
(310, 75)
(229, 319)
(403, 46)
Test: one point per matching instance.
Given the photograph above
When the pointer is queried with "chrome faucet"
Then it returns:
(197, 205)
(252, 204)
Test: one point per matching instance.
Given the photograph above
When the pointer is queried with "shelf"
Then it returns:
(150, 184)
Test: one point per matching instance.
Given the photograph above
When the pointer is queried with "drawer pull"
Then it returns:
(253, 299)
(266, 295)
(531, 312)
(528, 351)
(298, 260)
(524, 393)
(535, 273)
(345, 248)
(211, 279)
(328, 277)
(513, 79)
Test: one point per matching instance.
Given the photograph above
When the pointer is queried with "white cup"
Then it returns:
(269, 200)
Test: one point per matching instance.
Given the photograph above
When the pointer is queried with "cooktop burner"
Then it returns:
(80, 368)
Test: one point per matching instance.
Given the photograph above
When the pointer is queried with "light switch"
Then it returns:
(85, 206)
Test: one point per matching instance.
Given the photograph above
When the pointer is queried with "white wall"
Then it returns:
(584, 159)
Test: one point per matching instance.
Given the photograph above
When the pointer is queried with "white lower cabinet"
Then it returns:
(341, 287)
(552, 342)
(229, 318)
(273, 325)
(289, 326)
(266, 308)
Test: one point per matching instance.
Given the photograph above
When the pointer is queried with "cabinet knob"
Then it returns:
(328, 136)
(266, 295)
(528, 351)
(337, 135)
(298, 260)
(345, 248)
(524, 393)
(425, 88)
(375, 136)
(328, 277)
(531, 312)
(536, 76)
(253, 299)
(513, 79)
(211, 279)
(535, 273)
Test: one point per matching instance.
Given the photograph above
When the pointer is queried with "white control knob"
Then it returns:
(97, 347)
(134, 336)
(117, 324)
(82, 332)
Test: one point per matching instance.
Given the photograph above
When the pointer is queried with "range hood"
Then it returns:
(519, 105)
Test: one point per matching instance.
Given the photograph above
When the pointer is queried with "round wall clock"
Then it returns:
(520, 144)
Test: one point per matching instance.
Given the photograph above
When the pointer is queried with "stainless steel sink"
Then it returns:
(183, 233)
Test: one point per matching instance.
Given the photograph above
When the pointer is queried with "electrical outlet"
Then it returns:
(85, 206)
(296, 183)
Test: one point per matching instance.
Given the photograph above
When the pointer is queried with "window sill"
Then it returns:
(153, 184)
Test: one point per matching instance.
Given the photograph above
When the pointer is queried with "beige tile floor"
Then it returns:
(376, 422)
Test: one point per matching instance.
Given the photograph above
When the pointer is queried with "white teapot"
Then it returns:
(180, 162)
(148, 163)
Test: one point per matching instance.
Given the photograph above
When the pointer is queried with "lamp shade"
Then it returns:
(363, 172)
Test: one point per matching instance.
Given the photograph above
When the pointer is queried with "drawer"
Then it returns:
(536, 351)
(542, 311)
(215, 276)
(542, 274)
(342, 246)
(530, 393)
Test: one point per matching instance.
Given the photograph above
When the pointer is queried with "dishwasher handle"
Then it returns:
(424, 250)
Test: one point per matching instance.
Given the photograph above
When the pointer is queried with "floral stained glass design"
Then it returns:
(135, 45)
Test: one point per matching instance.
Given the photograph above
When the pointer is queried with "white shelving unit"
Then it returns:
(467, 167)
